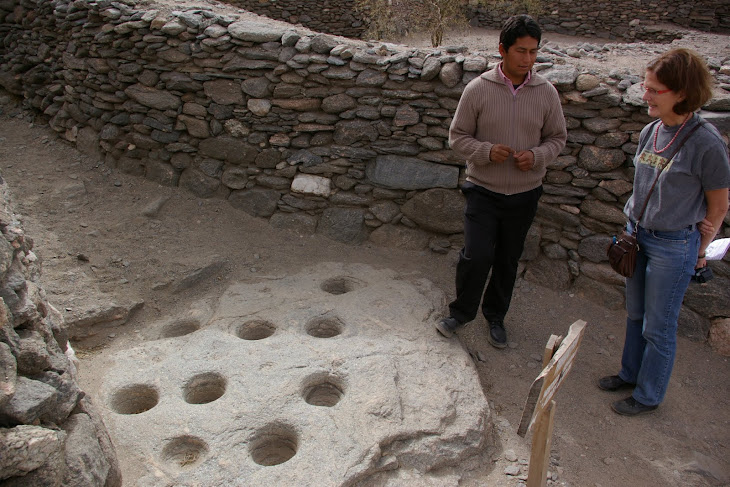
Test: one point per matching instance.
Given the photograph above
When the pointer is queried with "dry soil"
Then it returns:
(96, 236)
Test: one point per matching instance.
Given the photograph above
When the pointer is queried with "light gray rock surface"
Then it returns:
(334, 376)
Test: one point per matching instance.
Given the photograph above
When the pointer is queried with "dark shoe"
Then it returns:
(497, 335)
(614, 383)
(446, 326)
(631, 407)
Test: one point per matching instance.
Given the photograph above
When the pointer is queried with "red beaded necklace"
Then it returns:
(656, 134)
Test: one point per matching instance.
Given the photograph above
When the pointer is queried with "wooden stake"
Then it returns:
(541, 441)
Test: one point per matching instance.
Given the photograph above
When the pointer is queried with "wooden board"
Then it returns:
(543, 389)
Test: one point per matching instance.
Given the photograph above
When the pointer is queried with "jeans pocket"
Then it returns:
(675, 236)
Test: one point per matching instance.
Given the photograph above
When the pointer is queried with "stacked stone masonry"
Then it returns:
(338, 17)
(627, 20)
(50, 433)
(316, 134)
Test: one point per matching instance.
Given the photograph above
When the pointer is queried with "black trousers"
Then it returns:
(495, 228)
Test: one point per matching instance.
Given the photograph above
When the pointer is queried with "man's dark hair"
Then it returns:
(519, 26)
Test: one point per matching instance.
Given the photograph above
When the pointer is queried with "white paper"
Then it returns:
(717, 249)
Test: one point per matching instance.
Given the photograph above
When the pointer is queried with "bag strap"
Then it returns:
(646, 201)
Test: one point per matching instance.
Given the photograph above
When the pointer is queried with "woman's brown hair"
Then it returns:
(684, 71)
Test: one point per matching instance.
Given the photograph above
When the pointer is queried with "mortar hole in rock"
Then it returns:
(180, 328)
(339, 285)
(134, 399)
(256, 330)
(323, 390)
(204, 388)
(324, 327)
(273, 445)
(184, 452)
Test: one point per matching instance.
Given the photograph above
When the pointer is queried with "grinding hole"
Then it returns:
(134, 399)
(204, 388)
(324, 327)
(338, 285)
(256, 330)
(180, 328)
(273, 445)
(323, 390)
(184, 452)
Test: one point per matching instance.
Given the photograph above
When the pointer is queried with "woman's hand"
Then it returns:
(706, 228)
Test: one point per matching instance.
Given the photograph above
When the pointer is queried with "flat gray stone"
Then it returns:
(438, 210)
(247, 30)
(398, 172)
(316, 379)
(343, 225)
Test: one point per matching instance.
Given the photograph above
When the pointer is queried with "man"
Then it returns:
(508, 125)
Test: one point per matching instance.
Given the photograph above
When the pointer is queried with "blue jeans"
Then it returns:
(664, 265)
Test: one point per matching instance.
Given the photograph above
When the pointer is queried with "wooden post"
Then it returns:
(539, 409)
(540, 452)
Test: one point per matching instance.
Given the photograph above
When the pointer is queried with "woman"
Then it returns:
(692, 188)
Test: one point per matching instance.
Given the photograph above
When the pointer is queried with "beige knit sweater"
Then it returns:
(488, 113)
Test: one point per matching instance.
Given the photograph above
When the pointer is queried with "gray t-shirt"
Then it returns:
(678, 200)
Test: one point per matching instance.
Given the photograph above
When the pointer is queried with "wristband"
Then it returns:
(701, 256)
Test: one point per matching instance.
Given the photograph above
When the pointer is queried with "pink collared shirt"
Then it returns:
(509, 83)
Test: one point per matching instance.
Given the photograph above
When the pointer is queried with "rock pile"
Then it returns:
(320, 134)
(50, 433)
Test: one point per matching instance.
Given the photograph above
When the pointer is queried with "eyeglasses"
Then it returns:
(652, 91)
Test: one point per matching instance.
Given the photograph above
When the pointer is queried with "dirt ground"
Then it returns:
(89, 228)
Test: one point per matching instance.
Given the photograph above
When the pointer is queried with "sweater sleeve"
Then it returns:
(554, 134)
(463, 128)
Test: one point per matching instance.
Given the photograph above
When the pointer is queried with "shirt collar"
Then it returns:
(508, 81)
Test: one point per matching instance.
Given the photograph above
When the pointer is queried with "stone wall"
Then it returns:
(349, 140)
(628, 20)
(337, 17)
(50, 434)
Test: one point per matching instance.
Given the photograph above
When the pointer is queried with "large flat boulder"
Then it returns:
(331, 377)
